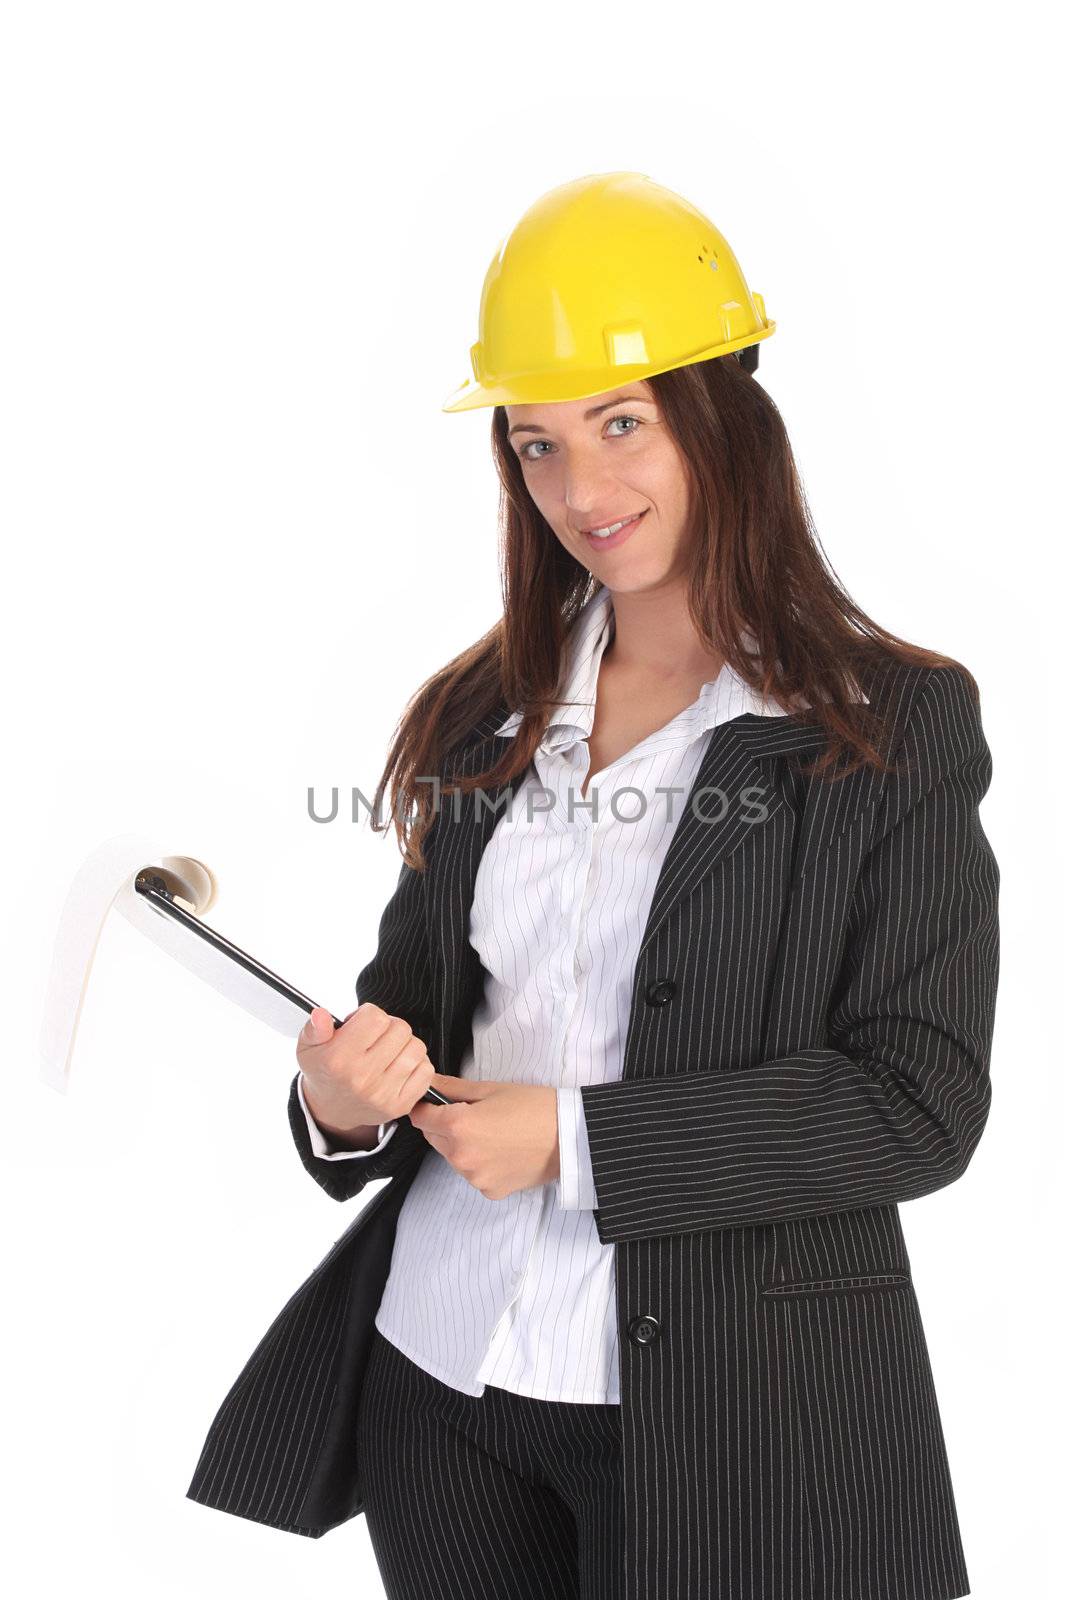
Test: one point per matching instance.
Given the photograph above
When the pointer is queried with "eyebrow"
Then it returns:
(594, 411)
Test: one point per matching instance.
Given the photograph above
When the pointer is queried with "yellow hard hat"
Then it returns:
(604, 280)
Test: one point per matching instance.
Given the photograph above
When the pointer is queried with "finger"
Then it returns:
(430, 1118)
(462, 1088)
(318, 1027)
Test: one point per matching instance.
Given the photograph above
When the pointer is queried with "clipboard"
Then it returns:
(209, 956)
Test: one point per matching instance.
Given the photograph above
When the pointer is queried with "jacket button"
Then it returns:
(643, 1329)
(660, 991)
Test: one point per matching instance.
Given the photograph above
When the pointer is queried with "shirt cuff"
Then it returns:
(320, 1145)
(577, 1191)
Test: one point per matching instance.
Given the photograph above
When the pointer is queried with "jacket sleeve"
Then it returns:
(400, 979)
(894, 1104)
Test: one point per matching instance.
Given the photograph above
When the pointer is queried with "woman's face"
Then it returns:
(592, 462)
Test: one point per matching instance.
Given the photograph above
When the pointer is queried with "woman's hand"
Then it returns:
(500, 1137)
(370, 1070)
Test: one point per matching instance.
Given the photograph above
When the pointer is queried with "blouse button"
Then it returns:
(659, 992)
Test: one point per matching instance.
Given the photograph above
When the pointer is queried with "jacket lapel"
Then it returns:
(466, 823)
(742, 778)
(748, 759)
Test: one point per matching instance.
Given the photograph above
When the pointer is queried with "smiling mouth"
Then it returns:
(609, 530)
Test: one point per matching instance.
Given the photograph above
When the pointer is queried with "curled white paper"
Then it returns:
(105, 882)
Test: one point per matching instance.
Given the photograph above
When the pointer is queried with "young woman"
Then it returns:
(711, 994)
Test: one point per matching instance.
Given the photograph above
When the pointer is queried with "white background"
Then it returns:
(243, 252)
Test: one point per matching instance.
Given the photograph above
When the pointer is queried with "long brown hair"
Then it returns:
(758, 567)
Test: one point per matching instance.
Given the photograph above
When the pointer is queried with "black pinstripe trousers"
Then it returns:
(495, 1497)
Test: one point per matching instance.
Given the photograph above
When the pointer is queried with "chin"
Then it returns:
(633, 577)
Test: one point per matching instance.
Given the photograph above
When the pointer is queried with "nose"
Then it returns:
(590, 497)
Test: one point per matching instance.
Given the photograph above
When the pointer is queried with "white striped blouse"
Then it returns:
(520, 1292)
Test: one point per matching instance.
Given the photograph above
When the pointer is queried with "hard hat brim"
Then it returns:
(546, 388)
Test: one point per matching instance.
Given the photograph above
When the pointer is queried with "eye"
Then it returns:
(623, 417)
(635, 420)
(522, 452)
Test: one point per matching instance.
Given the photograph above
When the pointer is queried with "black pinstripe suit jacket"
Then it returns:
(808, 1045)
